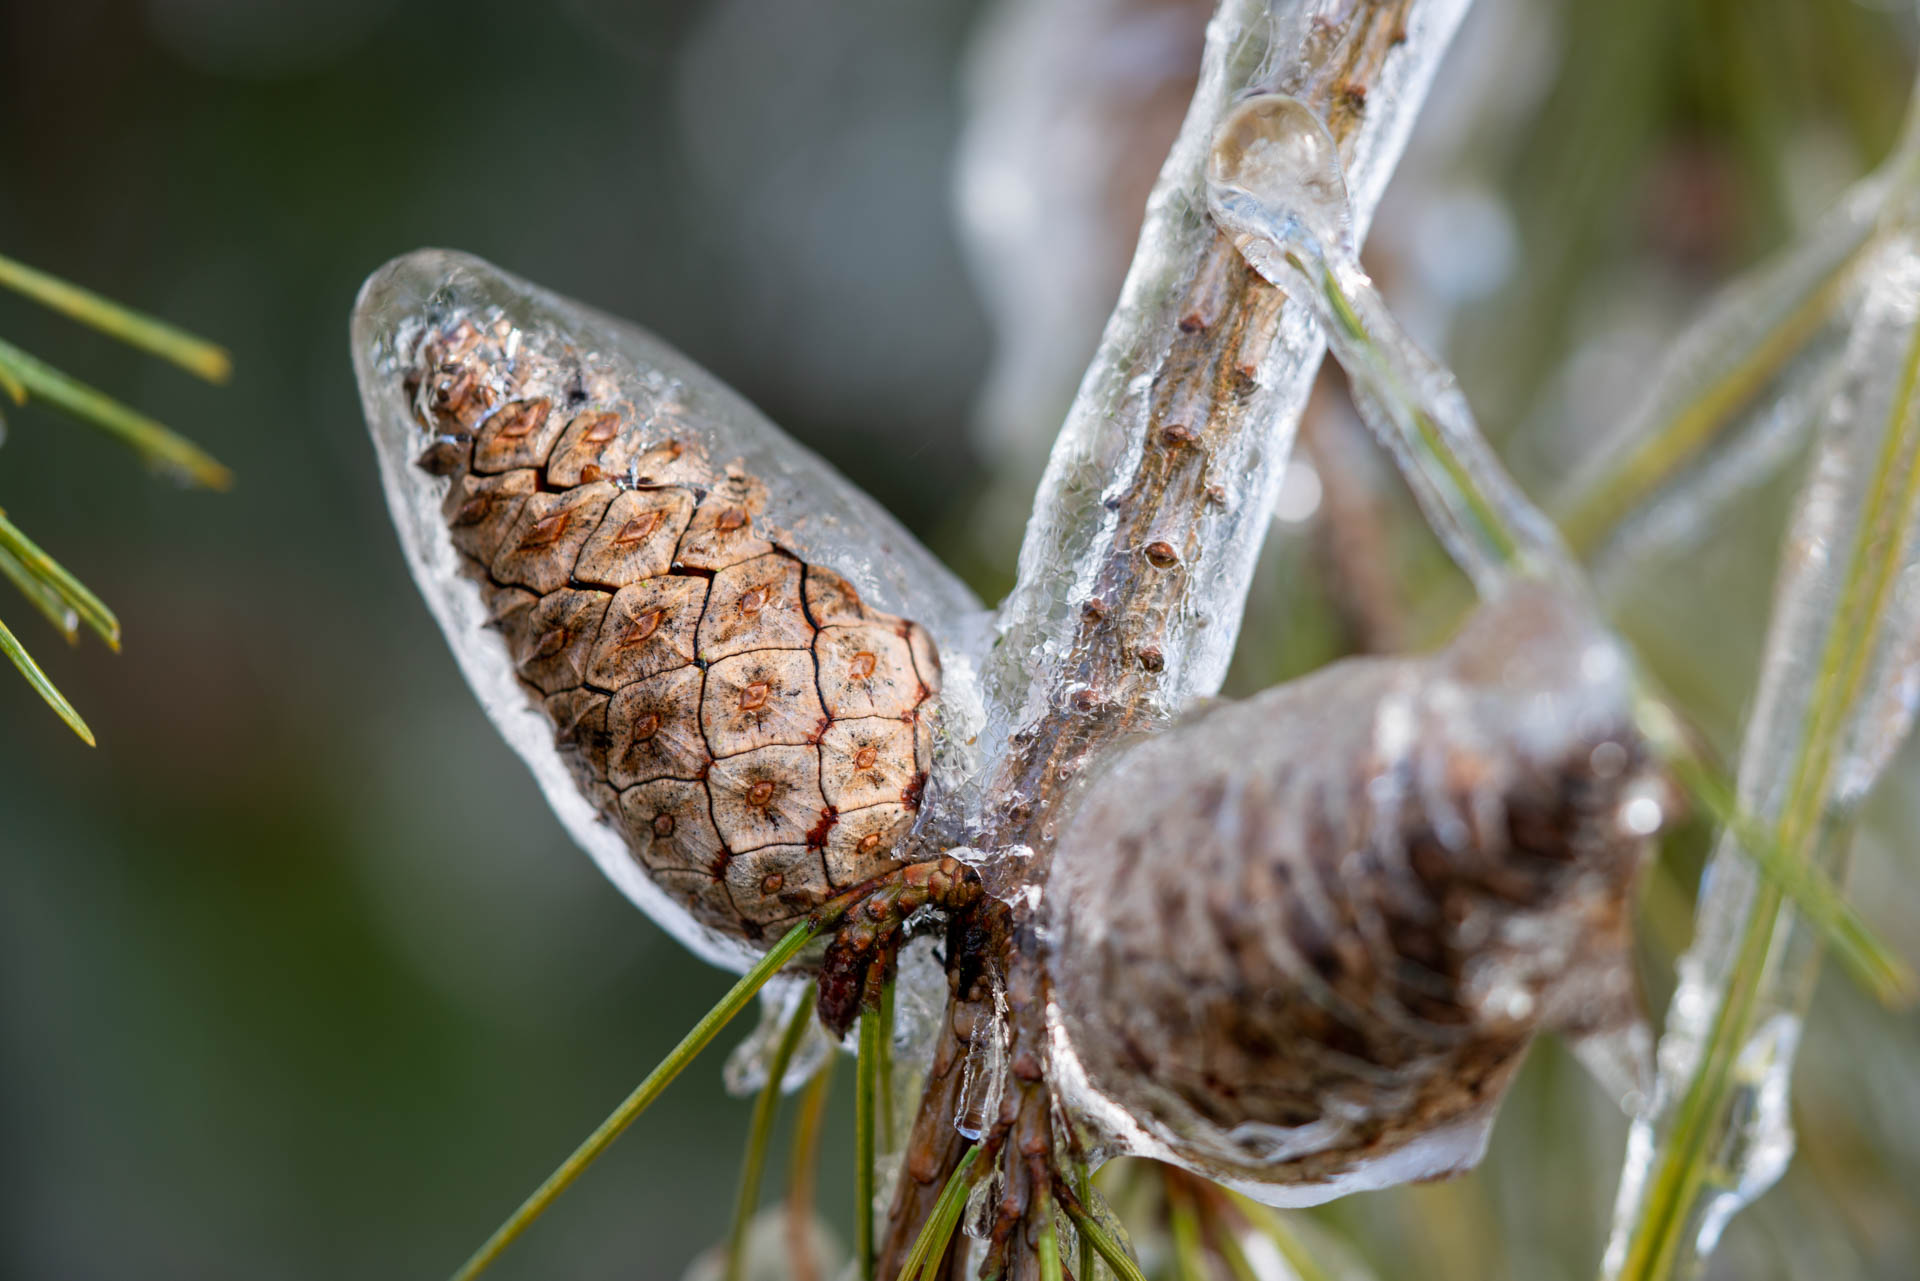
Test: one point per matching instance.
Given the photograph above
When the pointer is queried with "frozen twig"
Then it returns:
(1158, 494)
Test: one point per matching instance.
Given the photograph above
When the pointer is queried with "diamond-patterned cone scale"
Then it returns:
(675, 614)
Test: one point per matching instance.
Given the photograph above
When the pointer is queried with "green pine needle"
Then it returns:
(42, 596)
(931, 1245)
(42, 686)
(55, 578)
(643, 1096)
(1104, 1245)
(865, 1104)
(759, 1133)
(195, 355)
(156, 443)
(1049, 1247)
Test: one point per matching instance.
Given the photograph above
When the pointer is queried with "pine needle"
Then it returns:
(643, 1096)
(49, 573)
(169, 342)
(931, 1245)
(865, 1176)
(759, 1132)
(17, 653)
(156, 443)
(1103, 1243)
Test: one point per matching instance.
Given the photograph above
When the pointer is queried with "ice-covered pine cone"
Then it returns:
(757, 733)
(1305, 939)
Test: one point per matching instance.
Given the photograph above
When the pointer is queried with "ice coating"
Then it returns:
(1836, 697)
(1101, 444)
(1274, 182)
(1719, 415)
(1741, 387)
(1301, 942)
(1273, 161)
(515, 334)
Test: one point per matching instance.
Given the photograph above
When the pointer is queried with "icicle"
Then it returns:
(1836, 696)
(983, 1075)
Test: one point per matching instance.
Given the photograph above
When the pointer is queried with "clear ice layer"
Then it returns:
(820, 515)
(1072, 529)
(1837, 696)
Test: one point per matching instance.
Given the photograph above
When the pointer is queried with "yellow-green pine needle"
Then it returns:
(931, 1245)
(1869, 960)
(884, 1077)
(1189, 1264)
(1049, 1246)
(15, 390)
(44, 568)
(1270, 1225)
(759, 1132)
(1227, 1246)
(158, 444)
(803, 1167)
(650, 1089)
(1598, 511)
(15, 651)
(1656, 1243)
(169, 342)
(43, 597)
(865, 1101)
(1103, 1243)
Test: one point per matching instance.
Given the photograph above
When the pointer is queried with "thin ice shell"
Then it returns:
(823, 517)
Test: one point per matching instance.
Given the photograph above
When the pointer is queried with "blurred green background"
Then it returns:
(298, 976)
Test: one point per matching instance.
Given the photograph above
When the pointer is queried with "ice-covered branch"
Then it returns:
(1160, 487)
(1157, 496)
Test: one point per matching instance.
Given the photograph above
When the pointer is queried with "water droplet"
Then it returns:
(1273, 173)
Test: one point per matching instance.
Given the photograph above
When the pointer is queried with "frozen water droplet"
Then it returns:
(1607, 760)
(1274, 171)
(1300, 493)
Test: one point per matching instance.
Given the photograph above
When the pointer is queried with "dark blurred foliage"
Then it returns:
(298, 976)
